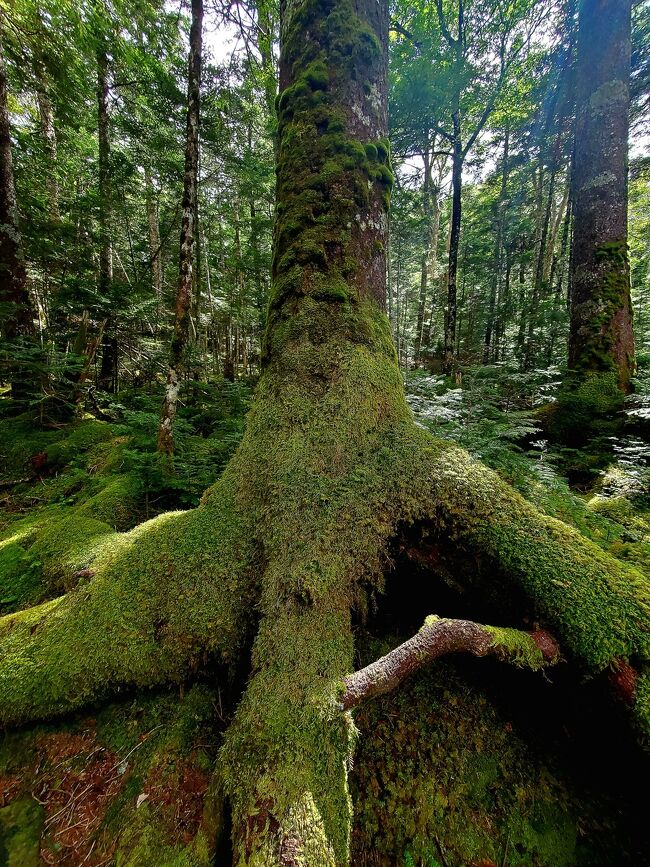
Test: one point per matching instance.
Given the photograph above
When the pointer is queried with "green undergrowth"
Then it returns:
(494, 416)
(69, 488)
(442, 776)
(143, 767)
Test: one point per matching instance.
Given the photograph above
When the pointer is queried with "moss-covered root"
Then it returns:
(162, 598)
(597, 607)
(285, 755)
(440, 636)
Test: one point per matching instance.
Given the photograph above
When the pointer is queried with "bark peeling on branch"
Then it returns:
(440, 636)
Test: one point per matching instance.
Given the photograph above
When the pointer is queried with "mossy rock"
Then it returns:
(84, 436)
(586, 409)
(116, 502)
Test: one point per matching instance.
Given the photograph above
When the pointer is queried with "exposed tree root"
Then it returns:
(163, 598)
(175, 589)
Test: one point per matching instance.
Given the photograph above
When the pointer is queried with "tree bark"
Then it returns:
(488, 351)
(155, 253)
(438, 637)
(454, 243)
(19, 320)
(182, 311)
(48, 131)
(107, 378)
(601, 336)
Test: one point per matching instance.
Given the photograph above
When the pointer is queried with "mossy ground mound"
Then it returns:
(129, 783)
(449, 773)
(344, 512)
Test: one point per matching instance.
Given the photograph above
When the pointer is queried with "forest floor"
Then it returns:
(449, 772)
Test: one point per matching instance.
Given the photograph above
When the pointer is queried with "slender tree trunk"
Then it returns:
(561, 267)
(601, 336)
(454, 241)
(541, 221)
(524, 311)
(488, 351)
(48, 131)
(503, 312)
(107, 378)
(154, 236)
(184, 291)
(424, 269)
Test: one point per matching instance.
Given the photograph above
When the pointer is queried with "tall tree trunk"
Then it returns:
(155, 256)
(424, 267)
(488, 351)
(48, 131)
(503, 312)
(560, 298)
(430, 194)
(291, 805)
(266, 26)
(108, 368)
(18, 314)
(184, 291)
(542, 216)
(524, 311)
(454, 241)
(601, 338)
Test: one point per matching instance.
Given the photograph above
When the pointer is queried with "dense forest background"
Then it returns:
(71, 70)
(140, 244)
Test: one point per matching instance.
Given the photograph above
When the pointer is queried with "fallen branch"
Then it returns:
(440, 636)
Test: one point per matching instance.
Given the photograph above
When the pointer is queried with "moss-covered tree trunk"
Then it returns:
(182, 311)
(328, 393)
(601, 336)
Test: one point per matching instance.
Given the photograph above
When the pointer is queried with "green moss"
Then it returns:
(588, 408)
(143, 844)
(620, 510)
(441, 777)
(116, 503)
(518, 647)
(610, 292)
(67, 546)
(20, 831)
(80, 439)
(20, 577)
(141, 619)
